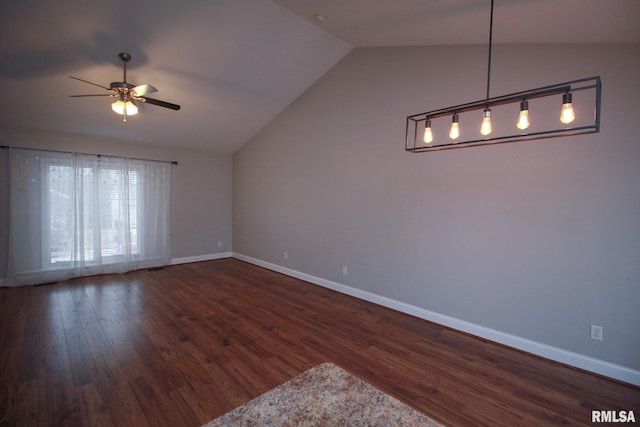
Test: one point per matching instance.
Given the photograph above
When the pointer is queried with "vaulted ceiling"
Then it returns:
(234, 65)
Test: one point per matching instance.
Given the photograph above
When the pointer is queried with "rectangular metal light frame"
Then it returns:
(415, 123)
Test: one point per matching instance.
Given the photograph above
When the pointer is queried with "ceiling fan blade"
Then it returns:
(159, 103)
(144, 89)
(91, 83)
(82, 96)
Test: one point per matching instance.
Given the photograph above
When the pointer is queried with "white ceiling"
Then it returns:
(234, 65)
(445, 22)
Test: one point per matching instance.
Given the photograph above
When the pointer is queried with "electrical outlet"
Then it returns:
(596, 332)
(219, 243)
(285, 255)
(344, 270)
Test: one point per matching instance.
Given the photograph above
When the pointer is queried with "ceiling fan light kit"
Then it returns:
(125, 108)
(555, 115)
(127, 94)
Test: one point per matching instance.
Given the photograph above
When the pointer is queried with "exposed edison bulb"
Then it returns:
(567, 115)
(428, 134)
(454, 132)
(485, 128)
(120, 107)
(523, 118)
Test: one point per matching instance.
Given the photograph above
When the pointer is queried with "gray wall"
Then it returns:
(200, 186)
(535, 239)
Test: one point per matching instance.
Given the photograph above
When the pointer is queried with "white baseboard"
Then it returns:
(577, 360)
(199, 258)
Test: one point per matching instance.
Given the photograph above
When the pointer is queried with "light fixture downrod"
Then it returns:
(490, 48)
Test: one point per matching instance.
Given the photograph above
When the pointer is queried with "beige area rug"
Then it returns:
(325, 395)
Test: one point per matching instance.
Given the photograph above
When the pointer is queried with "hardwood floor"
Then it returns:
(183, 345)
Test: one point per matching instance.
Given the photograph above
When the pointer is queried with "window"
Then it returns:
(116, 192)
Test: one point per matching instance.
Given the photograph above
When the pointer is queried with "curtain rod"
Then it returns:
(173, 162)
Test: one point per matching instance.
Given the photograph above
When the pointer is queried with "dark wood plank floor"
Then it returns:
(183, 345)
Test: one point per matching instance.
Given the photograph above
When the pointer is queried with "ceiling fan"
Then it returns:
(127, 94)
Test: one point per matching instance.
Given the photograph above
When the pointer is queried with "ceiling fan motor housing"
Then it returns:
(120, 85)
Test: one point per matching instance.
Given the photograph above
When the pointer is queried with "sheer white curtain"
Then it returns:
(75, 215)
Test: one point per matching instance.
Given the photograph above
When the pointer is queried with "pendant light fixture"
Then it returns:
(523, 118)
(424, 132)
(454, 132)
(428, 134)
(567, 115)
